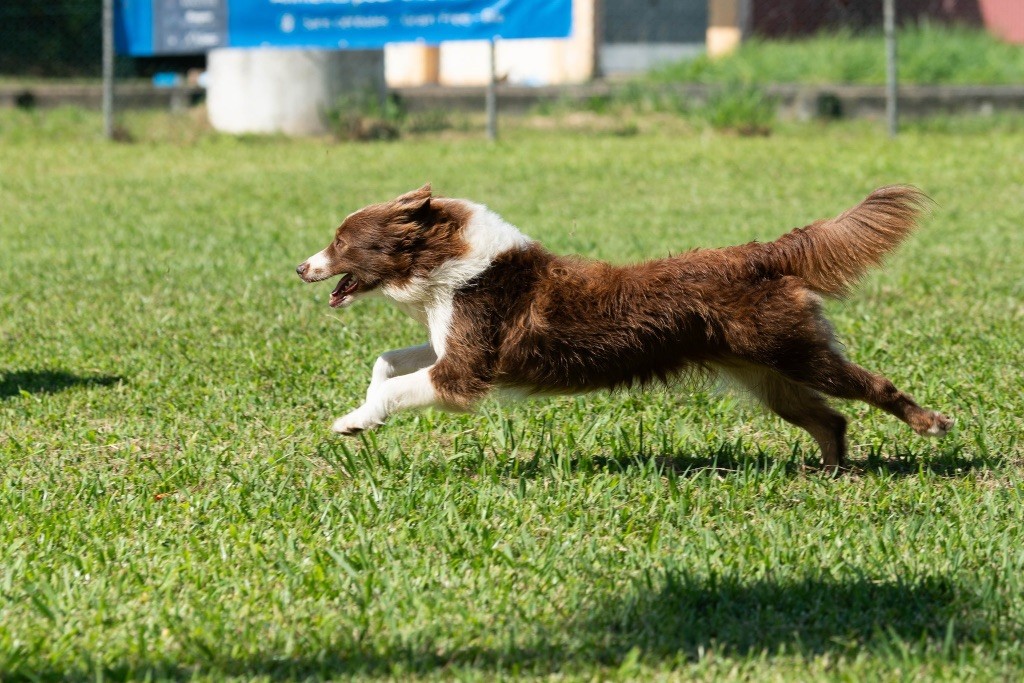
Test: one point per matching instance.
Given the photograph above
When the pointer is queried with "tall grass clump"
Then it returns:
(739, 108)
(928, 54)
(742, 109)
(369, 115)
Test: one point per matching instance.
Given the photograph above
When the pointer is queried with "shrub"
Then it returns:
(747, 110)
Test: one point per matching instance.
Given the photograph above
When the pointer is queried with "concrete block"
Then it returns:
(271, 90)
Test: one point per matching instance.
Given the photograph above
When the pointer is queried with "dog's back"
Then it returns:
(569, 324)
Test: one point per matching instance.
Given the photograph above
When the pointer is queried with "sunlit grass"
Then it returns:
(172, 505)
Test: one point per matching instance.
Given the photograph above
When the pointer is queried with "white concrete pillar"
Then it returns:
(272, 90)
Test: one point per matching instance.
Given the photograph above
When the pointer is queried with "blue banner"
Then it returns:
(162, 27)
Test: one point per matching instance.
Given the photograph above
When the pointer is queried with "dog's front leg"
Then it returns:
(389, 365)
(404, 392)
(399, 362)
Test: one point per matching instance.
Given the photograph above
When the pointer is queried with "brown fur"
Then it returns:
(830, 256)
(542, 323)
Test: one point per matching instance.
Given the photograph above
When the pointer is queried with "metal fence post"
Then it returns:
(492, 97)
(108, 69)
(891, 92)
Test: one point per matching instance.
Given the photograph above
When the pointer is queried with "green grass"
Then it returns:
(735, 108)
(173, 507)
(928, 54)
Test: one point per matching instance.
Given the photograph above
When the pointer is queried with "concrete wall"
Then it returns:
(639, 35)
(519, 62)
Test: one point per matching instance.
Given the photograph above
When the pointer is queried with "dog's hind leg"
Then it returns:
(799, 405)
(794, 339)
(834, 375)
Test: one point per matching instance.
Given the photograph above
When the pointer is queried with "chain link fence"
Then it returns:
(52, 38)
(636, 34)
(63, 39)
(794, 18)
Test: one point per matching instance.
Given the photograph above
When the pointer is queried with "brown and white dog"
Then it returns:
(503, 313)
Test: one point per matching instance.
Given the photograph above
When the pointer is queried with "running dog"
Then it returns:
(503, 313)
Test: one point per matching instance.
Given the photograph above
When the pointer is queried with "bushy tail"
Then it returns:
(831, 255)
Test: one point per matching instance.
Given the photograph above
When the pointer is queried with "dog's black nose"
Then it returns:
(301, 270)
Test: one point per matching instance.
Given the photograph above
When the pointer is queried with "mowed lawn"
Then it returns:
(173, 506)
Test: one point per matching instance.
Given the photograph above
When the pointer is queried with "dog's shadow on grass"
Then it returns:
(725, 462)
(679, 615)
(14, 383)
(946, 462)
(669, 619)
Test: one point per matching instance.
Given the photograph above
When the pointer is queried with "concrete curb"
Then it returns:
(794, 101)
(799, 102)
(90, 96)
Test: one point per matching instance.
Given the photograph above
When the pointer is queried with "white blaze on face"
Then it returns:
(319, 266)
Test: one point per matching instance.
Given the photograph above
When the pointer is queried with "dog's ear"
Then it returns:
(415, 204)
(416, 197)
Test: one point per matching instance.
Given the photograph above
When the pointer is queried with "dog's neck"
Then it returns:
(429, 300)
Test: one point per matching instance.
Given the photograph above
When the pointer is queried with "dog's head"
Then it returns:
(387, 245)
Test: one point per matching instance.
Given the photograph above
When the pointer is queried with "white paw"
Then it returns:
(355, 422)
(940, 426)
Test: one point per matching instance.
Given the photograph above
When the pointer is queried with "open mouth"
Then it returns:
(343, 292)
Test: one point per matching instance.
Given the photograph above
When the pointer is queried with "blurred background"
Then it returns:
(758, 59)
(61, 38)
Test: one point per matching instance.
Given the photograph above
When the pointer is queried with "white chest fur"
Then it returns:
(430, 300)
